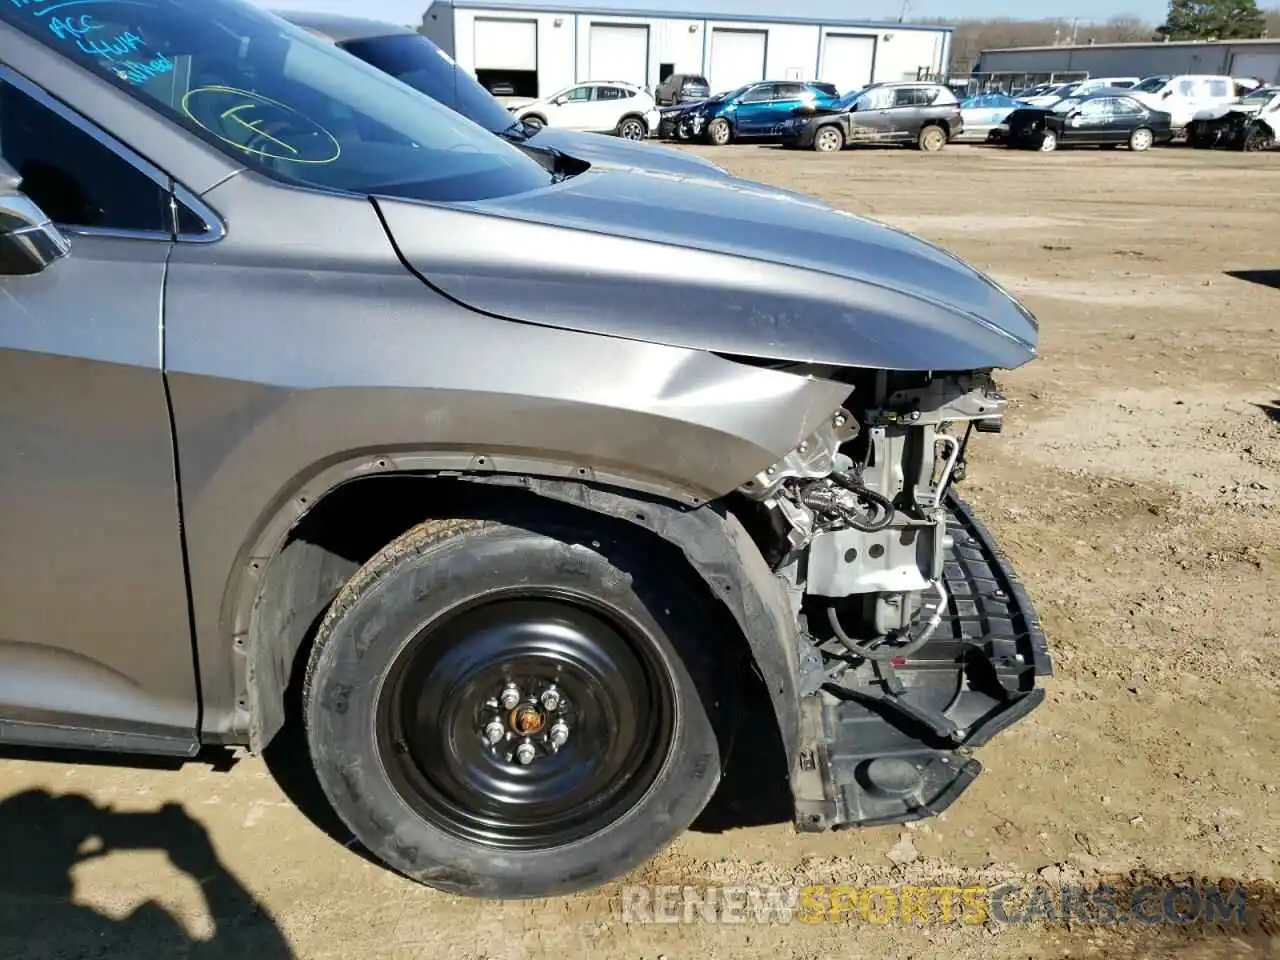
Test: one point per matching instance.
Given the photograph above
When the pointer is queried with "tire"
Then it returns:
(828, 139)
(631, 128)
(719, 132)
(1048, 141)
(1141, 140)
(534, 121)
(932, 139)
(405, 680)
(1256, 139)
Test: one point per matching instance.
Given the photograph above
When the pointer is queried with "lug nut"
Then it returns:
(524, 753)
(494, 731)
(550, 699)
(559, 733)
(510, 696)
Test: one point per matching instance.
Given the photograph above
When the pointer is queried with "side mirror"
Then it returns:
(29, 242)
(560, 101)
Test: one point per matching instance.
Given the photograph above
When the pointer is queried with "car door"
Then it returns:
(95, 640)
(788, 99)
(752, 111)
(872, 115)
(1087, 124)
(573, 109)
(608, 103)
(1126, 116)
(906, 113)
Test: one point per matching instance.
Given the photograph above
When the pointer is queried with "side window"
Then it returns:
(76, 180)
(878, 99)
(911, 97)
(610, 93)
(760, 94)
(1218, 88)
(578, 94)
(1188, 88)
(791, 91)
(1127, 108)
(1096, 108)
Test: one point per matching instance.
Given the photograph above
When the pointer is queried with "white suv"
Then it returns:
(599, 106)
(1182, 97)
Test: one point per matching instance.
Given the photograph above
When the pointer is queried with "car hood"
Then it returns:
(717, 264)
(602, 150)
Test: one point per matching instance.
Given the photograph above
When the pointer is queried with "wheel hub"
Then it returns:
(525, 721)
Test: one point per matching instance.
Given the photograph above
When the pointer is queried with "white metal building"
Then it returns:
(532, 48)
(1259, 59)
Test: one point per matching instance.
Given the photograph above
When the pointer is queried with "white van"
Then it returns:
(1098, 83)
(1184, 95)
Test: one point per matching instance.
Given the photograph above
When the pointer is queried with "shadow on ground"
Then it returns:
(1265, 278)
(1272, 410)
(45, 836)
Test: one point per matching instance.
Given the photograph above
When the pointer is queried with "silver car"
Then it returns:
(314, 390)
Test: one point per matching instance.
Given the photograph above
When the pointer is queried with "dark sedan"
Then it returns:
(1105, 118)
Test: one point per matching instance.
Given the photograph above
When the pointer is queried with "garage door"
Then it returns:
(737, 58)
(620, 53)
(506, 44)
(1263, 66)
(847, 60)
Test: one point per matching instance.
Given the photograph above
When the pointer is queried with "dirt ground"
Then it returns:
(1137, 491)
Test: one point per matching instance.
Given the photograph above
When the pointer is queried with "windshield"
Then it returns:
(413, 59)
(1151, 85)
(279, 100)
(1261, 96)
(845, 102)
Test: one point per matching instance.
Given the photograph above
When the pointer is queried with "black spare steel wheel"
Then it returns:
(510, 712)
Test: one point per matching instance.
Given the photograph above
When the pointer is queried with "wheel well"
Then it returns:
(357, 519)
(946, 127)
(633, 116)
(534, 116)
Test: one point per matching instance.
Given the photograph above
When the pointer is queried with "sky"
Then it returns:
(1153, 11)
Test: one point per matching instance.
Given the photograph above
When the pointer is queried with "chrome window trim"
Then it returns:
(217, 229)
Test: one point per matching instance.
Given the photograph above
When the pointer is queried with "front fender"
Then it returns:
(289, 374)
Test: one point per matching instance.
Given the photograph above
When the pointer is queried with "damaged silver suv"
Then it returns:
(314, 391)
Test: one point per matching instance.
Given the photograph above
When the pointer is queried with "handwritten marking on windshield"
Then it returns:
(276, 130)
(255, 125)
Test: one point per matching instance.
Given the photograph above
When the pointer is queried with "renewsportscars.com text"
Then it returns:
(1006, 904)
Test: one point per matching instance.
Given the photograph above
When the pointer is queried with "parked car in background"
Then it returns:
(984, 116)
(413, 59)
(908, 113)
(1104, 118)
(757, 110)
(599, 106)
(1185, 95)
(1251, 122)
(681, 88)
(323, 404)
(1100, 83)
(1051, 94)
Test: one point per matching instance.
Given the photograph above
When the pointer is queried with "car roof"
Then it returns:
(339, 28)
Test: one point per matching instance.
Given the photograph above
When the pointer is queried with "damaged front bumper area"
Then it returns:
(895, 745)
(916, 642)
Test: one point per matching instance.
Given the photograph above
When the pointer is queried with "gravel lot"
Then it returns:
(1137, 490)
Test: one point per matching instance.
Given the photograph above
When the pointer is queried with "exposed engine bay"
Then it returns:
(915, 639)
